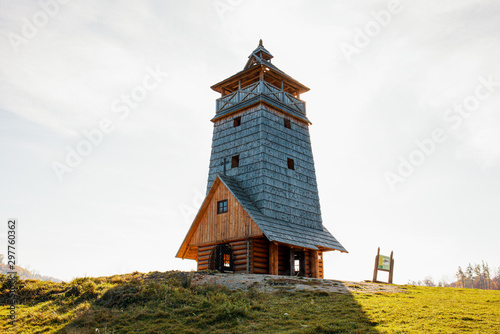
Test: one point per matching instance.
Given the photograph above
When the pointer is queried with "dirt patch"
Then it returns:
(269, 283)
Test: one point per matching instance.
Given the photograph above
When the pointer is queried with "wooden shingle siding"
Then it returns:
(244, 139)
(264, 145)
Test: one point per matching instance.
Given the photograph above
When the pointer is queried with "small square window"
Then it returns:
(235, 161)
(237, 121)
(287, 123)
(222, 206)
(291, 164)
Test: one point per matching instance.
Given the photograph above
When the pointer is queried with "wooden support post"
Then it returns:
(273, 258)
(391, 271)
(248, 256)
(314, 264)
(302, 264)
(292, 262)
(375, 268)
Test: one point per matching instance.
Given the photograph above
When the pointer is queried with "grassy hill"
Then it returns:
(171, 303)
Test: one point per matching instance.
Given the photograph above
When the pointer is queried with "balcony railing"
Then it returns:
(264, 88)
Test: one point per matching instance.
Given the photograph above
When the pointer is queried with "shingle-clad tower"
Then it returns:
(271, 141)
(262, 156)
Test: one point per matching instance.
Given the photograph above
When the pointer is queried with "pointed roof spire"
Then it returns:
(258, 55)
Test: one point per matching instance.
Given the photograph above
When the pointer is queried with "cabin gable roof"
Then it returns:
(274, 229)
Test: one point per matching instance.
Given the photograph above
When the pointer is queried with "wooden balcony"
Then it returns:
(264, 89)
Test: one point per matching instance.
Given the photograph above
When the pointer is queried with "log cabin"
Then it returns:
(261, 213)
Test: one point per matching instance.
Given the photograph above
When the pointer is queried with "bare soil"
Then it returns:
(269, 283)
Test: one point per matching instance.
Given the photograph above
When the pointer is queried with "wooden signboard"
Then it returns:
(383, 263)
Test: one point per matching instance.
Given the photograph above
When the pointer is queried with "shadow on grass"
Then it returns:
(168, 303)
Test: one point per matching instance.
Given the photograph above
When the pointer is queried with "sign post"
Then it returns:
(383, 263)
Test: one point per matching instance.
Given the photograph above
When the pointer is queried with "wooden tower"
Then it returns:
(261, 213)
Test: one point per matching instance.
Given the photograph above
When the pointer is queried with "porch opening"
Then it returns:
(222, 258)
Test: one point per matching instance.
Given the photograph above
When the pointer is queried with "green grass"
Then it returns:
(167, 303)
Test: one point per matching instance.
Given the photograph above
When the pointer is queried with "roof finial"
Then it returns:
(260, 43)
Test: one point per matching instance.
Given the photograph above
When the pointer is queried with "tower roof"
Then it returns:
(259, 67)
(258, 55)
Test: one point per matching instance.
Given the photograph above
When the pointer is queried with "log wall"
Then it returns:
(259, 257)
(240, 256)
(308, 264)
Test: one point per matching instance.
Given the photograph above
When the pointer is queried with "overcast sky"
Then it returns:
(404, 103)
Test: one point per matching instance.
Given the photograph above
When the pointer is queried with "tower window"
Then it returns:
(235, 161)
(222, 206)
(287, 123)
(237, 121)
(291, 164)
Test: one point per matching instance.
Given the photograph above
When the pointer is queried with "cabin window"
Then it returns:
(237, 121)
(235, 161)
(291, 164)
(287, 123)
(222, 206)
(222, 258)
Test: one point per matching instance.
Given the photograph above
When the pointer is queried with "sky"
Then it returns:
(105, 131)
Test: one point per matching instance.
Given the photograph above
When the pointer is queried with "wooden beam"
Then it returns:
(391, 270)
(222, 241)
(273, 258)
(292, 262)
(314, 264)
(248, 256)
(375, 269)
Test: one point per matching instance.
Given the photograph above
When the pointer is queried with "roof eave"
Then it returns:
(302, 88)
